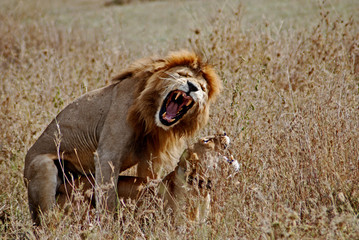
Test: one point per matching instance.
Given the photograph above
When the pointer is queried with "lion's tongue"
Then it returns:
(171, 112)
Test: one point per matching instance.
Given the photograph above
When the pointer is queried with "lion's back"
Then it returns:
(78, 123)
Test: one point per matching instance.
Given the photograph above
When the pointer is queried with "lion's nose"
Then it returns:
(192, 87)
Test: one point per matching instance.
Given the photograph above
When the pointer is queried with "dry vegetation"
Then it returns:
(290, 104)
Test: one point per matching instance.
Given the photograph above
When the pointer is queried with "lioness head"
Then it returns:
(219, 143)
(202, 157)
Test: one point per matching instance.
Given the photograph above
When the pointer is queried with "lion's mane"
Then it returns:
(147, 72)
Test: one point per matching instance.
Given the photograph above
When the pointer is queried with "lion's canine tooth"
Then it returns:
(171, 120)
(164, 115)
(189, 102)
(178, 94)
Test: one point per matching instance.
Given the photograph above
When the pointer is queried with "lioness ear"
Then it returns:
(194, 157)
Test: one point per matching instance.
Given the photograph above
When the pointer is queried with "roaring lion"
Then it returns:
(142, 118)
(190, 181)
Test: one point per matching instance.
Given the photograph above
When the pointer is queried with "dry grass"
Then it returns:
(290, 105)
(292, 101)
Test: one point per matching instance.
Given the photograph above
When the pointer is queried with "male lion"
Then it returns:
(142, 118)
(190, 181)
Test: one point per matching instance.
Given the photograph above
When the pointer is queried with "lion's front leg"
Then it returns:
(107, 172)
(109, 159)
(113, 147)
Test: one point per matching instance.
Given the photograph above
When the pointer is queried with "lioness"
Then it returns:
(190, 179)
(142, 118)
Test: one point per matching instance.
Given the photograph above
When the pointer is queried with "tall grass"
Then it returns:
(290, 105)
(291, 101)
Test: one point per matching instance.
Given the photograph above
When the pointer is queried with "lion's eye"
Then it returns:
(184, 74)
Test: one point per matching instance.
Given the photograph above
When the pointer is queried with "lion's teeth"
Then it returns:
(178, 94)
(164, 115)
(171, 120)
(189, 102)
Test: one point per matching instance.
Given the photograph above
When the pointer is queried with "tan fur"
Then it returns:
(185, 190)
(123, 124)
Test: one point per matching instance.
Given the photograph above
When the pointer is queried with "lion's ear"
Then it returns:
(142, 66)
(159, 65)
(123, 76)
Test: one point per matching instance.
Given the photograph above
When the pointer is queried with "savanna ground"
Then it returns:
(290, 103)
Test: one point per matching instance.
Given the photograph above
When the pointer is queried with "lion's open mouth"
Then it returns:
(176, 104)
